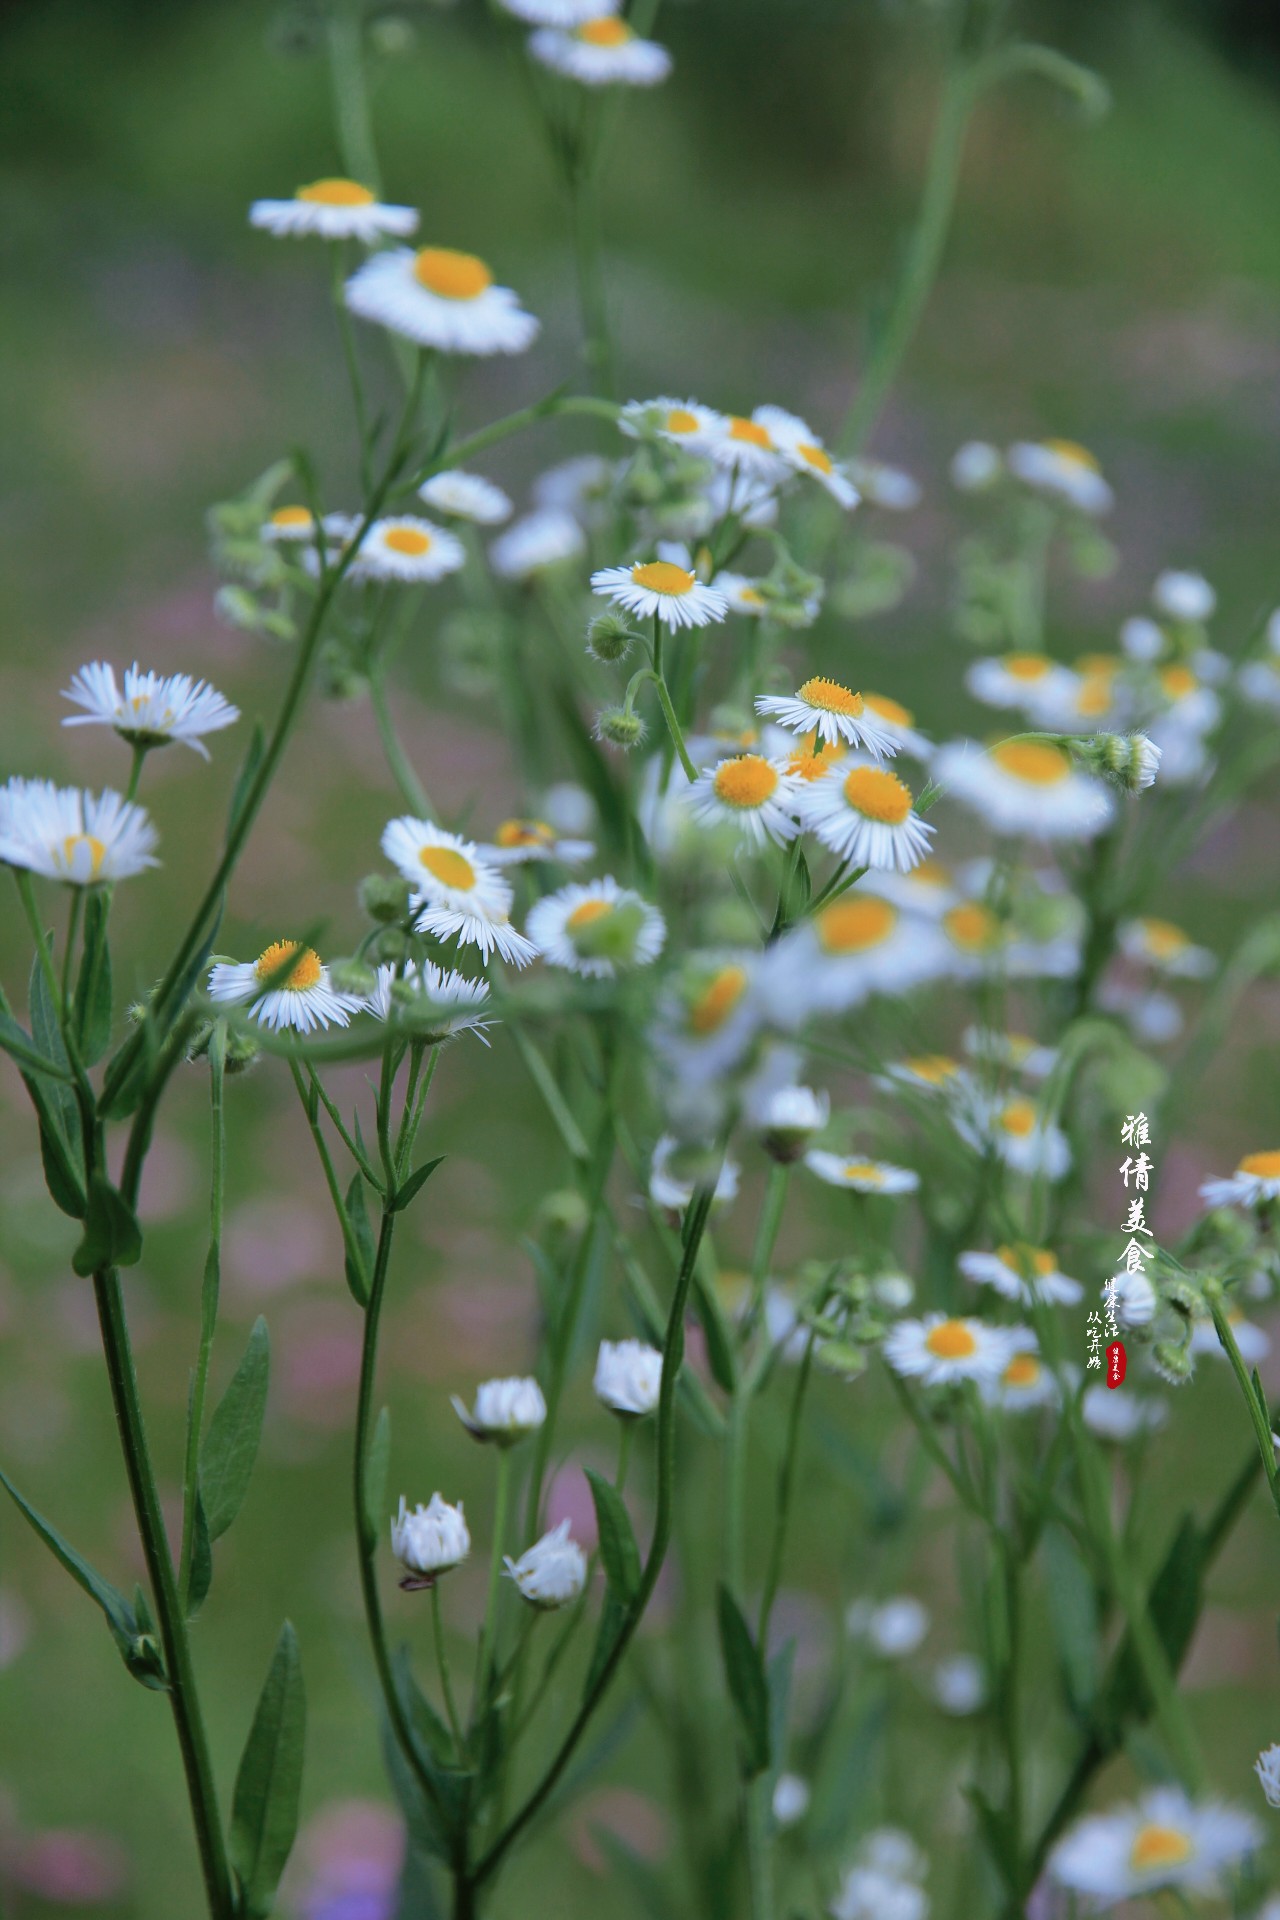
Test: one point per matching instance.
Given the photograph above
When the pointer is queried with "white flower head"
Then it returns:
(457, 894)
(1166, 948)
(856, 1175)
(628, 1377)
(1064, 471)
(746, 448)
(1165, 1840)
(804, 452)
(684, 423)
(1029, 682)
(1142, 638)
(660, 589)
(1017, 1132)
(854, 947)
(288, 985)
(334, 209)
(466, 496)
(1121, 1416)
(1185, 597)
(66, 834)
(1134, 1300)
(749, 793)
(601, 52)
(1017, 1051)
(791, 1797)
(152, 708)
(960, 1684)
(1267, 1768)
(431, 1003)
(893, 1628)
(1025, 787)
(883, 486)
(1255, 1182)
(559, 13)
(866, 816)
(505, 1410)
(439, 298)
(941, 1351)
(1021, 1273)
(408, 549)
(552, 1572)
(429, 1541)
(1026, 1381)
(672, 1185)
(834, 712)
(598, 929)
(786, 1118)
(542, 540)
(867, 1895)
(1254, 1344)
(976, 466)
(520, 841)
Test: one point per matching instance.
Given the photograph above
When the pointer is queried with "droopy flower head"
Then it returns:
(552, 1572)
(429, 1540)
(152, 709)
(505, 1410)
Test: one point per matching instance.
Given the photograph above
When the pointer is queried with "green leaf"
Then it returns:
(618, 1551)
(63, 1164)
(1001, 1842)
(360, 1246)
(112, 1236)
(231, 1444)
(377, 1463)
(23, 1051)
(412, 1187)
(1173, 1603)
(201, 1561)
(264, 1806)
(719, 1346)
(91, 1008)
(245, 778)
(431, 1737)
(748, 1688)
(116, 1609)
(61, 1144)
(1073, 1610)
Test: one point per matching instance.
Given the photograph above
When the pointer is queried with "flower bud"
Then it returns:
(620, 727)
(628, 1377)
(787, 1119)
(391, 947)
(1129, 761)
(1135, 1300)
(428, 1541)
(609, 639)
(505, 1411)
(243, 1051)
(384, 897)
(564, 1210)
(552, 1572)
(1173, 1361)
(352, 976)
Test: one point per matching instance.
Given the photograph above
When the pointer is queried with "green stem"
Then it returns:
(759, 1853)
(208, 1306)
(411, 788)
(786, 1486)
(442, 1666)
(597, 346)
(351, 94)
(135, 772)
(180, 1674)
(501, 1505)
(626, 1433)
(1260, 1419)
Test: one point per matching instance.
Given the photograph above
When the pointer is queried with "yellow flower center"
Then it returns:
(863, 1170)
(1034, 761)
(1022, 1371)
(1155, 1847)
(815, 457)
(717, 1000)
(931, 873)
(1021, 1260)
(746, 782)
(680, 420)
(831, 697)
(1026, 666)
(886, 709)
(97, 851)
(972, 927)
(410, 541)
(1266, 1166)
(448, 867)
(450, 275)
(524, 833)
(1095, 696)
(878, 795)
(855, 926)
(933, 1068)
(804, 764)
(663, 576)
(1163, 939)
(302, 974)
(336, 193)
(1074, 454)
(749, 430)
(951, 1340)
(291, 517)
(751, 597)
(605, 33)
(1019, 1118)
(587, 914)
(1178, 682)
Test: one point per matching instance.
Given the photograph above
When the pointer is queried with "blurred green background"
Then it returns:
(1117, 285)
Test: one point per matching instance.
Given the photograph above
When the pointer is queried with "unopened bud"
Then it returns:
(352, 976)
(609, 639)
(1173, 1361)
(383, 897)
(1129, 761)
(621, 728)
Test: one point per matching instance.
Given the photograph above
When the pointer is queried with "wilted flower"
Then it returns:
(429, 1540)
(786, 1118)
(552, 1572)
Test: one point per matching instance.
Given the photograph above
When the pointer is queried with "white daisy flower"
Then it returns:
(960, 1685)
(153, 708)
(1154, 1018)
(1186, 597)
(552, 1572)
(883, 486)
(940, 1351)
(1258, 682)
(685, 423)
(749, 793)
(975, 940)
(1134, 1300)
(861, 1176)
(865, 1894)
(708, 1018)
(534, 544)
(519, 841)
(786, 1118)
(802, 450)
(927, 889)
(1267, 1768)
(1025, 787)
(439, 298)
(80, 838)
(1166, 1840)
(429, 1540)
(745, 447)
(408, 549)
(976, 466)
(604, 52)
(661, 588)
(672, 1186)
(1189, 706)
(751, 497)
(833, 712)
(1255, 1181)
(1121, 1416)
(1025, 1274)
(1063, 470)
(1159, 944)
(744, 596)
(927, 1073)
(288, 985)
(1253, 1343)
(1030, 682)
(506, 1411)
(867, 818)
(289, 523)
(628, 1377)
(856, 946)
(1026, 1382)
(598, 930)
(466, 496)
(559, 13)
(582, 486)
(432, 1003)
(1016, 1050)
(1016, 1131)
(457, 895)
(334, 210)
(1142, 638)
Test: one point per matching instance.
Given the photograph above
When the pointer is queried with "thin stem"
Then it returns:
(135, 772)
(584, 213)
(442, 1666)
(179, 1672)
(786, 1486)
(501, 1505)
(759, 1853)
(626, 1433)
(73, 927)
(1261, 1421)
(208, 1306)
(351, 94)
(401, 768)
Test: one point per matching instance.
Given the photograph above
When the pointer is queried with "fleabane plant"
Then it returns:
(760, 946)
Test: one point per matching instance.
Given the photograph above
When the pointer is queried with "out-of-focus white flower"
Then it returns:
(1121, 1416)
(1183, 596)
(866, 816)
(1166, 1840)
(1026, 1382)
(893, 1291)
(747, 449)
(286, 986)
(975, 466)
(1016, 1050)
(333, 210)
(1017, 1132)
(1142, 639)
(1267, 1768)
(884, 486)
(552, 1572)
(1135, 1300)
(1155, 1018)
(926, 889)
(791, 1797)
(845, 952)
(559, 13)
(898, 722)
(672, 1189)
(940, 1351)
(82, 839)
(835, 712)
(1025, 787)
(884, 1882)
(598, 929)
(1030, 682)
(801, 448)
(861, 1176)
(505, 1410)
(519, 841)
(661, 589)
(1256, 1180)
(440, 298)
(1063, 470)
(1159, 944)
(786, 1118)
(152, 709)
(432, 1003)
(603, 52)
(685, 423)
(538, 542)
(409, 550)
(628, 1377)
(457, 893)
(466, 496)
(893, 1628)
(1022, 1273)
(959, 1684)
(429, 1540)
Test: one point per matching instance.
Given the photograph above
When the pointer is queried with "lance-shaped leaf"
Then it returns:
(112, 1236)
(359, 1242)
(264, 1806)
(116, 1609)
(231, 1444)
(618, 1551)
(748, 1688)
(408, 1192)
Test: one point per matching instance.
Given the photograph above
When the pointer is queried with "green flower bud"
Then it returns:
(1173, 1361)
(243, 1051)
(352, 976)
(609, 639)
(1128, 760)
(620, 727)
(383, 897)
(391, 946)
